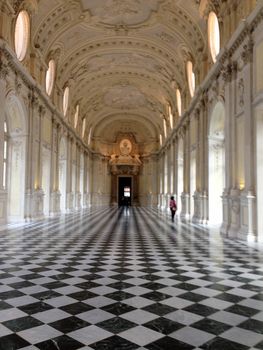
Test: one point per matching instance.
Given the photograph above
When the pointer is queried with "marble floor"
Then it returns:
(116, 278)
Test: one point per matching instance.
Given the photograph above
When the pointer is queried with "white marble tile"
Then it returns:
(242, 336)
(89, 335)
(141, 335)
(192, 336)
(38, 334)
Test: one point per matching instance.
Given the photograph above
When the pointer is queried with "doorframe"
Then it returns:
(118, 177)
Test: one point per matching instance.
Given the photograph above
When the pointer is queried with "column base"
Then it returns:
(34, 200)
(55, 203)
(69, 201)
(185, 213)
(3, 207)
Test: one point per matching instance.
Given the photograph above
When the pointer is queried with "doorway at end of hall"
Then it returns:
(125, 191)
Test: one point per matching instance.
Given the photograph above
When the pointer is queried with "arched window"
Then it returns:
(22, 33)
(89, 139)
(50, 77)
(179, 102)
(65, 100)
(190, 78)
(83, 128)
(76, 116)
(213, 35)
(171, 117)
(164, 128)
(5, 158)
(161, 140)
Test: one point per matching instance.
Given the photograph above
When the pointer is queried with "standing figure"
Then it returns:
(173, 207)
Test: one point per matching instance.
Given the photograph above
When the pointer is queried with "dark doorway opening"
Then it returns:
(125, 191)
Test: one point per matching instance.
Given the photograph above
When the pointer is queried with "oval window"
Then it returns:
(76, 116)
(213, 35)
(50, 77)
(22, 30)
(179, 102)
(65, 100)
(191, 78)
(83, 128)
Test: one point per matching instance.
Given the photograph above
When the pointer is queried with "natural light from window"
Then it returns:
(213, 35)
(22, 30)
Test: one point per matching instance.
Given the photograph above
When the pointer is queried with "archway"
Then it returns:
(16, 158)
(192, 180)
(259, 170)
(62, 173)
(180, 169)
(46, 163)
(81, 180)
(216, 163)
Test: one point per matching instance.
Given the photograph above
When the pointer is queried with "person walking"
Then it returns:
(173, 207)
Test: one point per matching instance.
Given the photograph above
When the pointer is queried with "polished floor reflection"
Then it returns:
(118, 278)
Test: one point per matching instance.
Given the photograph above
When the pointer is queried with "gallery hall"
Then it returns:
(131, 174)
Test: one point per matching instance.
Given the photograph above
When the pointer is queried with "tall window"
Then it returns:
(76, 116)
(5, 157)
(179, 102)
(190, 77)
(161, 140)
(164, 128)
(65, 100)
(171, 117)
(83, 128)
(89, 139)
(213, 35)
(50, 77)
(22, 34)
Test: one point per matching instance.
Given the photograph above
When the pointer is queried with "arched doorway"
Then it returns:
(259, 170)
(216, 163)
(62, 173)
(46, 163)
(81, 180)
(180, 169)
(192, 180)
(16, 136)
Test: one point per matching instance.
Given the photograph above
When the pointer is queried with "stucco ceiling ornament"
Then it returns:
(125, 12)
(125, 97)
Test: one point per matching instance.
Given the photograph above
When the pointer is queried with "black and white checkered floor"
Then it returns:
(128, 279)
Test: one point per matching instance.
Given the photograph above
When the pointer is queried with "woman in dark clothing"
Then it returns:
(173, 207)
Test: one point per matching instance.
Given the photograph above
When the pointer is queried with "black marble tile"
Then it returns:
(153, 285)
(12, 342)
(201, 310)
(76, 308)
(168, 343)
(46, 295)
(119, 295)
(118, 308)
(220, 287)
(156, 296)
(163, 325)
(259, 345)
(211, 326)
(242, 310)
(116, 325)
(258, 297)
(120, 285)
(4, 305)
(229, 297)
(186, 286)
(252, 325)
(82, 295)
(87, 285)
(55, 285)
(11, 294)
(22, 323)
(70, 324)
(23, 284)
(60, 343)
(223, 344)
(159, 309)
(192, 297)
(114, 343)
(35, 307)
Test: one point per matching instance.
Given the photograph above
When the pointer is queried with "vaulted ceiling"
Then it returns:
(122, 59)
